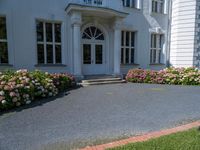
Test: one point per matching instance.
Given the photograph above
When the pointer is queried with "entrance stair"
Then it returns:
(101, 80)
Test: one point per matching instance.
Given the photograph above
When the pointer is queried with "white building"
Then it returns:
(89, 37)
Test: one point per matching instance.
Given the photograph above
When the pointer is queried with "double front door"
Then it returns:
(94, 59)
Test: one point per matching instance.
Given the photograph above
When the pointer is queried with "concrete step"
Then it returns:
(84, 84)
(101, 80)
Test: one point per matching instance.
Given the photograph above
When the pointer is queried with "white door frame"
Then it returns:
(89, 69)
(106, 60)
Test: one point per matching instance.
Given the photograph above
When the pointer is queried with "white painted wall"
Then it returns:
(183, 33)
(21, 16)
(143, 21)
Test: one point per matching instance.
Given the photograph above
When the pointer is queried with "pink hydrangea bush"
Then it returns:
(144, 76)
(22, 87)
(176, 76)
(63, 80)
(182, 76)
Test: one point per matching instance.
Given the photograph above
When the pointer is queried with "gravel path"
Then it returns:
(98, 114)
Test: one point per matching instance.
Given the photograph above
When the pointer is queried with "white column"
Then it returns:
(76, 25)
(77, 50)
(166, 4)
(139, 3)
(117, 47)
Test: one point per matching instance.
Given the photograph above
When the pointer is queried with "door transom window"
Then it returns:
(93, 33)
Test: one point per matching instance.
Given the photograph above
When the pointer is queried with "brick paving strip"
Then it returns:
(144, 137)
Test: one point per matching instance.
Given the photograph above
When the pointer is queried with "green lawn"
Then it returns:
(189, 140)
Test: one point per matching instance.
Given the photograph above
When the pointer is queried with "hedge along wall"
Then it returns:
(176, 76)
(22, 87)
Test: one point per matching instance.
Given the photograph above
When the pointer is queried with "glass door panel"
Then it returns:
(87, 54)
(99, 54)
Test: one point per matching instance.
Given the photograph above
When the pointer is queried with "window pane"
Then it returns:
(85, 36)
(154, 56)
(151, 40)
(161, 8)
(101, 37)
(122, 38)
(127, 55)
(132, 39)
(3, 34)
(87, 31)
(49, 32)
(4, 52)
(153, 6)
(127, 38)
(122, 56)
(156, 45)
(123, 2)
(93, 29)
(132, 56)
(87, 54)
(159, 55)
(50, 54)
(156, 6)
(160, 42)
(154, 41)
(152, 52)
(40, 53)
(128, 3)
(128, 50)
(40, 34)
(58, 54)
(133, 3)
(99, 54)
(58, 33)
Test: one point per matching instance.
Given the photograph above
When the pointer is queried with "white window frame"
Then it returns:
(136, 3)
(5, 40)
(157, 9)
(93, 2)
(155, 52)
(130, 47)
(45, 43)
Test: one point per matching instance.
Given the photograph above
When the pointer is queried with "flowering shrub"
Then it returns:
(177, 76)
(22, 87)
(62, 80)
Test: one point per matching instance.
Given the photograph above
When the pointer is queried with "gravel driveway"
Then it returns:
(98, 114)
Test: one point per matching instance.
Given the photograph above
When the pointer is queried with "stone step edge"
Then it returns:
(101, 83)
(101, 80)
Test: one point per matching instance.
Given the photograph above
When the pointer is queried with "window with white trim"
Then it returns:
(158, 6)
(3, 41)
(128, 47)
(156, 48)
(49, 47)
(130, 3)
(95, 2)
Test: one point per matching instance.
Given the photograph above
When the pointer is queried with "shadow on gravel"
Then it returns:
(38, 102)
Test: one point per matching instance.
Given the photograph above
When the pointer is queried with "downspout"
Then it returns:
(195, 37)
(169, 33)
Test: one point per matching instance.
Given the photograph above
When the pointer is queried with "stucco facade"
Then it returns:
(113, 18)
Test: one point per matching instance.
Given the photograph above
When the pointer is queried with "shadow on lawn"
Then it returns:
(40, 102)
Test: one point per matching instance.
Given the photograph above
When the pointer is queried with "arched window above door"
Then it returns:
(93, 32)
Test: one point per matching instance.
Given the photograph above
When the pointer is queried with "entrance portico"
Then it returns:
(93, 43)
